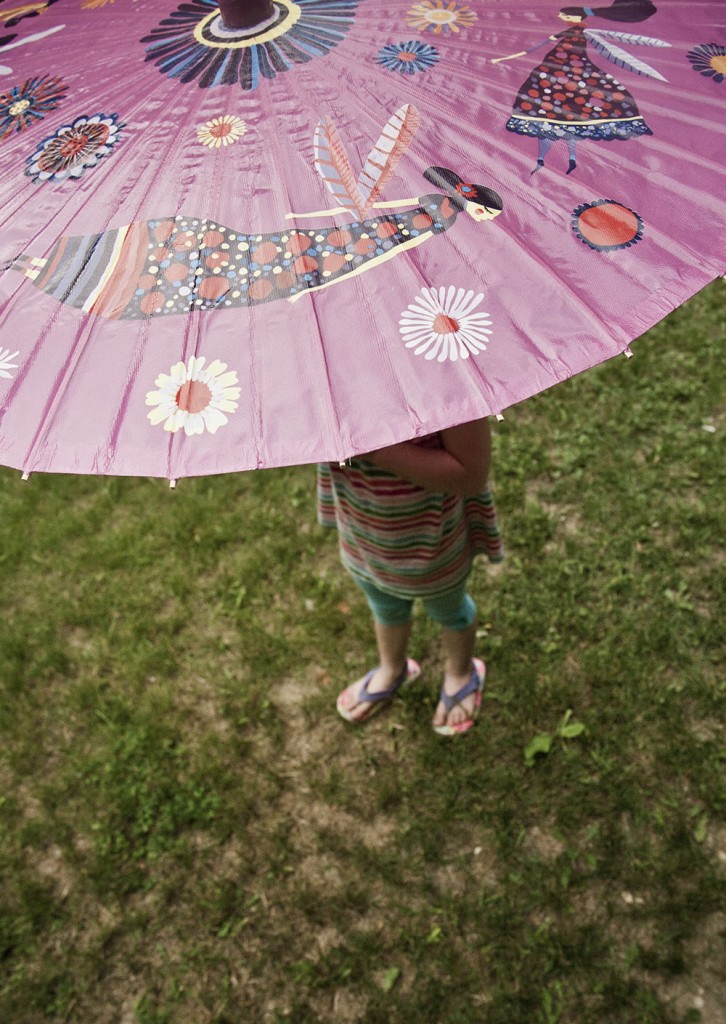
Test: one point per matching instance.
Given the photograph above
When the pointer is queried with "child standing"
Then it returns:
(410, 519)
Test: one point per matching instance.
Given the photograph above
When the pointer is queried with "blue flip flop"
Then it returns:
(376, 701)
(475, 685)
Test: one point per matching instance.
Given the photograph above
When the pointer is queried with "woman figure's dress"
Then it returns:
(569, 97)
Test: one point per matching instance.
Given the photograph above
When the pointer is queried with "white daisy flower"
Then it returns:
(441, 324)
(194, 398)
(6, 357)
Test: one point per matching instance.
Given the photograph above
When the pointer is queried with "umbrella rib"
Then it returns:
(342, 445)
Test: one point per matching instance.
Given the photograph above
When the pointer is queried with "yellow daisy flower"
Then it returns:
(221, 131)
(440, 16)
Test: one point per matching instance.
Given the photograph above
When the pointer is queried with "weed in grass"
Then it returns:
(145, 800)
(146, 1013)
(541, 744)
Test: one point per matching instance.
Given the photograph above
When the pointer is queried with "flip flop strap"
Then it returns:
(363, 694)
(473, 686)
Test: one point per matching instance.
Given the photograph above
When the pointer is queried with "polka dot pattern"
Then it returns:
(199, 265)
(569, 95)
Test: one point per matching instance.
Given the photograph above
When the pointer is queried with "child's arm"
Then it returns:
(461, 467)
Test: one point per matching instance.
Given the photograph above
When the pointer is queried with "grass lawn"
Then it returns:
(190, 835)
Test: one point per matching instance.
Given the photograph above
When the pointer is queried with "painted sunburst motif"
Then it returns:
(407, 58)
(440, 16)
(441, 323)
(710, 60)
(221, 131)
(22, 106)
(193, 44)
(192, 398)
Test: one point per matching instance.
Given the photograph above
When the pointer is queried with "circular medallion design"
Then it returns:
(606, 225)
(73, 148)
(193, 44)
(211, 31)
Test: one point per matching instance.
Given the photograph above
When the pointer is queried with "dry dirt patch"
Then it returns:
(703, 988)
(543, 844)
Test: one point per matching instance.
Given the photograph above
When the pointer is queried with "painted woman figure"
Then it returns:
(567, 97)
(181, 264)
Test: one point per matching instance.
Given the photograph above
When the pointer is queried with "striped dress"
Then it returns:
(403, 539)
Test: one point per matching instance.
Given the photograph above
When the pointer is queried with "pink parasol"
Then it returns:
(289, 231)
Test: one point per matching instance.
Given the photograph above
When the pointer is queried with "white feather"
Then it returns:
(627, 37)
(623, 59)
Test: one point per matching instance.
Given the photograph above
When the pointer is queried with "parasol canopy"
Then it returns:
(289, 231)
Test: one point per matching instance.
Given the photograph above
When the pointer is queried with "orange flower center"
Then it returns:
(406, 56)
(19, 107)
(719, 64)
(74, 143)
(194, 396)
(220, 130)
(444, 324)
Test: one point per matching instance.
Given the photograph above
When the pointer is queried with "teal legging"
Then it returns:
(452, 610)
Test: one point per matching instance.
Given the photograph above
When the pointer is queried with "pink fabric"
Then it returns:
(329, 375)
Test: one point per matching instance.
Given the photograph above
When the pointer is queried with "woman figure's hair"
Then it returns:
(462, 192)
(619, 10)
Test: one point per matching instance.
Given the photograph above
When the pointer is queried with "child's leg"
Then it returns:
(456, 612)
(392, 624)
(392, 644)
